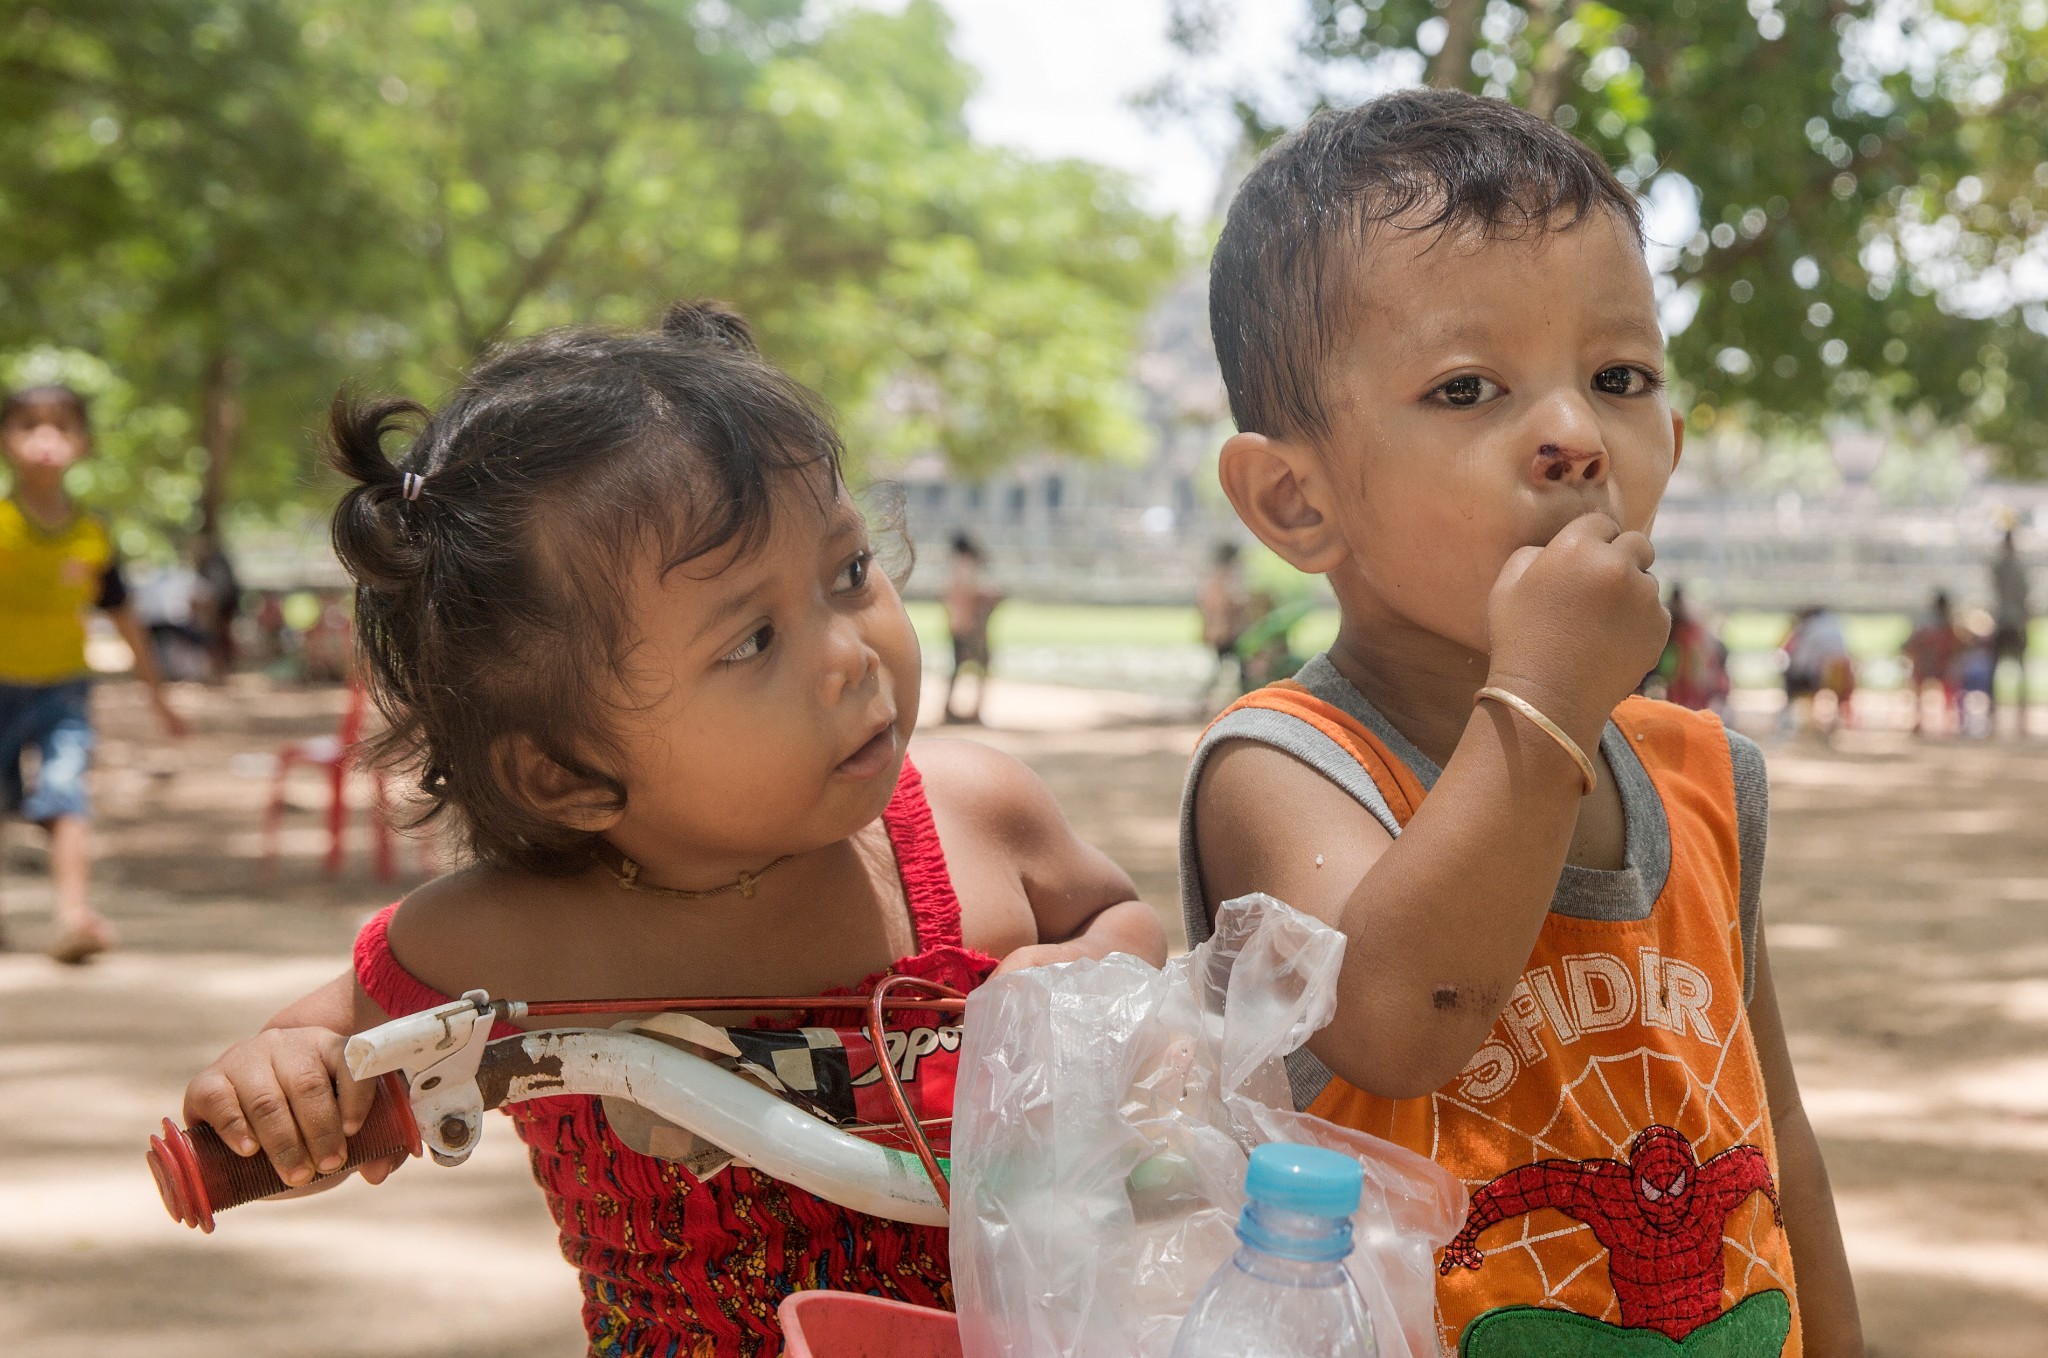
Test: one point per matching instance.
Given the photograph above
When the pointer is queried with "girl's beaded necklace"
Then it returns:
(628, 876)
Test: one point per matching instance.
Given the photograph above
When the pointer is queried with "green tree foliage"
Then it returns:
(1871, 180)
(168, 203)
(237, 205)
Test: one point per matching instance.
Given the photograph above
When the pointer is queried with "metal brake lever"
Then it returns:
(438, 1051)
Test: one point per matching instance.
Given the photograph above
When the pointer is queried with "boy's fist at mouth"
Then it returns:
(1573, 626)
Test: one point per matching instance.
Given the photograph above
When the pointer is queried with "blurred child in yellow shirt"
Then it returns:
(56, 562)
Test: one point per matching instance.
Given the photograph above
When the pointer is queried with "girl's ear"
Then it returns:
(1280, 491)
(560, 794)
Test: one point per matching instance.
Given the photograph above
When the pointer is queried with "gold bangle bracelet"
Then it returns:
(1544, 724)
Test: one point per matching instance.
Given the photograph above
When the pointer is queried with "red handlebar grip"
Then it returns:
(197, 1175)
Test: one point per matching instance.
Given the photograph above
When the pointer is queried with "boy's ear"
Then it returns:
(560, 794)
(1281, 492)
(1677, 438)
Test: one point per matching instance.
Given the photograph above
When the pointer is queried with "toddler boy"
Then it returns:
(1441, 345)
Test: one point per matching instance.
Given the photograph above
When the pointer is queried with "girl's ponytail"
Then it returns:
(370, 532)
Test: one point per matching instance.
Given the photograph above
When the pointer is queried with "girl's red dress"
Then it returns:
(677, 1267)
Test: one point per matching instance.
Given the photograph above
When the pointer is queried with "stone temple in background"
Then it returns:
(1852, 520)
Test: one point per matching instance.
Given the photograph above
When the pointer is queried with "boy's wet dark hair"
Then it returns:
(1284, 282)
(43, 397)
(493, 605)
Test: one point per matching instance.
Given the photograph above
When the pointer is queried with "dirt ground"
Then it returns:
(1907, 908)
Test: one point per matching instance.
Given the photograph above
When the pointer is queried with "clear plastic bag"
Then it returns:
(1102, 1121)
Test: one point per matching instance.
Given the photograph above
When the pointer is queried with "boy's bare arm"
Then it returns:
(287, 1091)
(1440, 921)
(1827, 1294)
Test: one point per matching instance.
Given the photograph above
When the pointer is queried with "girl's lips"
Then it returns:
(871, 758)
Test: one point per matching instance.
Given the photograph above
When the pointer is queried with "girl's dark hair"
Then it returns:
(1284, 282)
(493, 605)
(50, 394)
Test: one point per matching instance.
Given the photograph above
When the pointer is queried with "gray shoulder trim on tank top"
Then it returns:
(1306, 1076)
(1290, 735)
(1321, 677)
(1752, 829)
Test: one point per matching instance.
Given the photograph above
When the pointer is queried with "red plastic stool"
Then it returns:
(336, 756)
(852, 1325)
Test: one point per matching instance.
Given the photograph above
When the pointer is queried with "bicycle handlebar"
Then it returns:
(197, 1175)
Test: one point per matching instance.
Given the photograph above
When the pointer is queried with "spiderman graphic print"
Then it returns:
(1659, 1215)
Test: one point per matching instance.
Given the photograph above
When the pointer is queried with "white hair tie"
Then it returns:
(412, 485)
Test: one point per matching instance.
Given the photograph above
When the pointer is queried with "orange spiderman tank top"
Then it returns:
(1613, 1128)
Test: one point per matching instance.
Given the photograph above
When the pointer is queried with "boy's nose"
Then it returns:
(1557, 463)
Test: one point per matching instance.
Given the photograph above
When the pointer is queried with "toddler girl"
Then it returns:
(624, 618)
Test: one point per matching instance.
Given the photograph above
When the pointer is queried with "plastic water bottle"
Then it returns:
(1286, 1292)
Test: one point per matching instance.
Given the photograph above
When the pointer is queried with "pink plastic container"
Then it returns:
(850, 1325)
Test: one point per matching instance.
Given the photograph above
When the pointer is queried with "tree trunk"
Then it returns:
(221, 431)
(546, 261)
(1553, 54)
(1451, 67)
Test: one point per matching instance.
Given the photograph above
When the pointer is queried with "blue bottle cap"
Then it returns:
(1305, 1179)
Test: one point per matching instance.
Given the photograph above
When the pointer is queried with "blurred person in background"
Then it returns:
(1817, 661)
(1693, 671)
(222, 602)
(1265, 648)
(57, 562)
(327, 642)
(270, 627)
(2010, 615)
(170, 600)
(1975, 668)
(1934, 651)
(1226, 608)
(970, 603)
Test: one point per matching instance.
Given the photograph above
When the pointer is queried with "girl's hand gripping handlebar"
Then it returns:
(425, 1065)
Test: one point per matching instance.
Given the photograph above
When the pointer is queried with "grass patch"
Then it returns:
(1022, 623)
(1019, 622)
(1086, 627)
